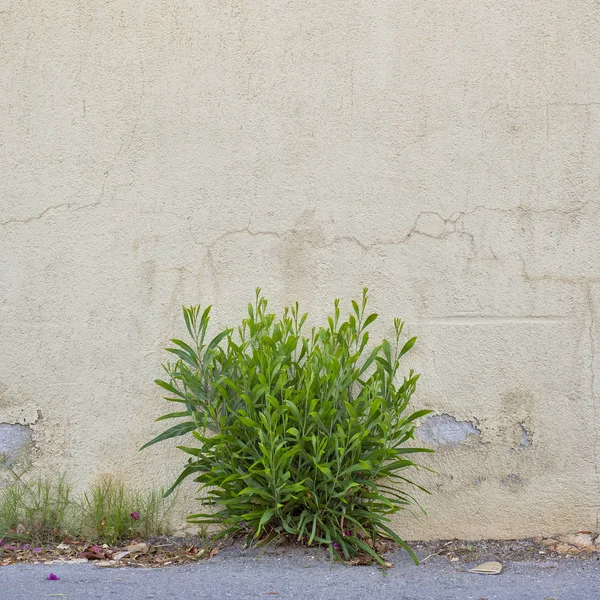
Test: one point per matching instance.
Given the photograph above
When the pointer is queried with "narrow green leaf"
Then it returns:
(174, 415)
(175, 431)
(369, 320)
(409, 344)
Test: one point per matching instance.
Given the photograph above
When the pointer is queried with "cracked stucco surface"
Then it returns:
(444, 154)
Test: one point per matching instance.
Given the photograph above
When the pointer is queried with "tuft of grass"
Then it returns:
(45, 511)
(38, 511)
(112, 513)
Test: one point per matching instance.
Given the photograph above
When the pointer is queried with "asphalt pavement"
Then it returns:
(302, 575)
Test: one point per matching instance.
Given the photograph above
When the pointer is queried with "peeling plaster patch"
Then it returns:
(525, 438)
(445, 430)
(512, 479)
(13, 440)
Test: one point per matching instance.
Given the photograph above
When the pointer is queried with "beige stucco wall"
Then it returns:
(446, 154)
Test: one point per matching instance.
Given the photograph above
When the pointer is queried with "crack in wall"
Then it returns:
(414, 230)
(123, 149)
(70, 205)
(446, 226)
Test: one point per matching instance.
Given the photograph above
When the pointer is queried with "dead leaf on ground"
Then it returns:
(583, 541)
(140, 548)
(487, 568)
(214, 551)
(382, 546)
(360, 561)
(92, 555)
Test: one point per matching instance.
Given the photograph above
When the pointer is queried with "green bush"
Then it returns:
(304, 435)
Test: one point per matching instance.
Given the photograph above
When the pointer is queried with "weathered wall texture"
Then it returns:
(446, 154)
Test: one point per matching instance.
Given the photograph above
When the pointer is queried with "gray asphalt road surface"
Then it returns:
(301, 575)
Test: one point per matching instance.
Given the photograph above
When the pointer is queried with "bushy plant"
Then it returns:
(295, 434)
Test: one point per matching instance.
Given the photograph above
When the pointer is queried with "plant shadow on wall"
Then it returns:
(305, 435)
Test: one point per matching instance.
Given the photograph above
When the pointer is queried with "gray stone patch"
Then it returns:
(13, 440)
(445, 430)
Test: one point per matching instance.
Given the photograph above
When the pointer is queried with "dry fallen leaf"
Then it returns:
(583, 541)
(487, 568)
(141, 548)
(360, 560)
(121, 555)
(214, 551)
(92, 555)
